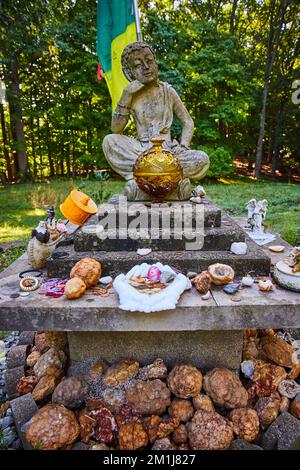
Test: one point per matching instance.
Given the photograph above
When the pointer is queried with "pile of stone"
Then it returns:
(91, 405)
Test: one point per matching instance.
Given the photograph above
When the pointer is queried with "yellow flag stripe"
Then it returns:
(115, 79)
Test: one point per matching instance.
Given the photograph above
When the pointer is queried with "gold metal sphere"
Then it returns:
(157, 171)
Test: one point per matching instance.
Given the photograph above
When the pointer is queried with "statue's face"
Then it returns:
(143, 66)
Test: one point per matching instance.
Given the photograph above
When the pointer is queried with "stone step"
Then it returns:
(126, 212)
(217, 239)
(116, 262)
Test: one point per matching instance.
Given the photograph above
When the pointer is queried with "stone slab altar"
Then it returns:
(207, 333)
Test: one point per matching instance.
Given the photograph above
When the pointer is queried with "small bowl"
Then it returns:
(285, 277)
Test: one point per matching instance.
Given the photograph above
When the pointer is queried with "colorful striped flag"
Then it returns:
(115, 29)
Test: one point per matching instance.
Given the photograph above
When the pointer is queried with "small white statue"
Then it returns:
(256, 215)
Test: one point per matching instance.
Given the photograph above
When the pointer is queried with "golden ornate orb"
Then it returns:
(157, 171)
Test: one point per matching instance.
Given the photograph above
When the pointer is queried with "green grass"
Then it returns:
(22, 206)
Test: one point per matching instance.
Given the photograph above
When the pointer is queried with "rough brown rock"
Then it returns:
(284, 404)
(266, 379)
(26, 384)
(56, 339)
(288, 388)
(245, 423)
(203, 402)
(180, 435)
(202, 282)
(268, 408)
(87, 269)
(52, 427)
(44, 388)
(181, 409)
(148, 397)
(151, 424)
(185, 381)
(33, 358)
(40, 343)
(120, 372)
(250, 349)
(114, 398)
(132, 436)
(70, 392)
(156, 370)
(277, 350)
(87, 427)
(50, 363)
(209, 431)
(166, 427)
(99, 447)
(225, 388)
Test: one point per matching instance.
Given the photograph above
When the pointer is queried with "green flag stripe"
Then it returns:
(113, 17)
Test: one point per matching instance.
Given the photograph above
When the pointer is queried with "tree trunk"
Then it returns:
(271, 54)
(39, 147)
(232, 17)
(50, 159)
(32, 136)
(5, 145)
(13, 96)
(276, 147)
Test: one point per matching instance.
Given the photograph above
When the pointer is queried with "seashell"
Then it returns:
(265, 286)
(239, 248)
(221, 274)
(153, 273)
(205, 296)
(105, 280)
(277, 248)
(202, 282)
(198, 191)
(143, 251)
(247, 281)
(231, 288)
(288, 388)
(166, 277)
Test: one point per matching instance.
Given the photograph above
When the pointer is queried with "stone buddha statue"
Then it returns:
(152, 104)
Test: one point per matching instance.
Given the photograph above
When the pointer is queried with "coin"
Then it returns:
(14, 296)
(236, 298)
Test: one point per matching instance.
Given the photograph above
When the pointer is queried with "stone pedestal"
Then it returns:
(203, 349)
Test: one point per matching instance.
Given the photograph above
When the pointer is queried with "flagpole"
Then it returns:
(137, 20)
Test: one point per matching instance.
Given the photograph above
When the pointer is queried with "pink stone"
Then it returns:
(153, 273)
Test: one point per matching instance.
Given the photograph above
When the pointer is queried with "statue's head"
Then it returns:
(138, 63)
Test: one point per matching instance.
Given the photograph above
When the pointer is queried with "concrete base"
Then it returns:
(204, 349)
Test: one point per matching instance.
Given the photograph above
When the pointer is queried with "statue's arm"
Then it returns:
(185, 119)
(121, 114)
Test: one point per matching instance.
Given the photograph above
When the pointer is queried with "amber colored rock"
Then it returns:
(44, 388)
(75, 288)
(87, 269)
(277, 350)
(33, 358)
(151, 424)
(87, 427)
(250, 332)
(225, 388)
(148, 397)
(40, 343)
(250, 349)
(181, 409)
(266, 379)
(156, 370)
(202, 282)
(125, 416)
(180, 435)
(203, 402)
(52, 427)
(70, 392)
(267, 409)
(245, 423)
(132, 436)
(26, 384)
(163, 444)
(167, 426)
(209, 431)
(50, 363)
(185, 381)
(295, 372)
(56, 339)
(120, 372)
(295, 407)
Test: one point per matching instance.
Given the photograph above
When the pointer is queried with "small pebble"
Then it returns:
(236, 298)
(205, 296)
(24, 294)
